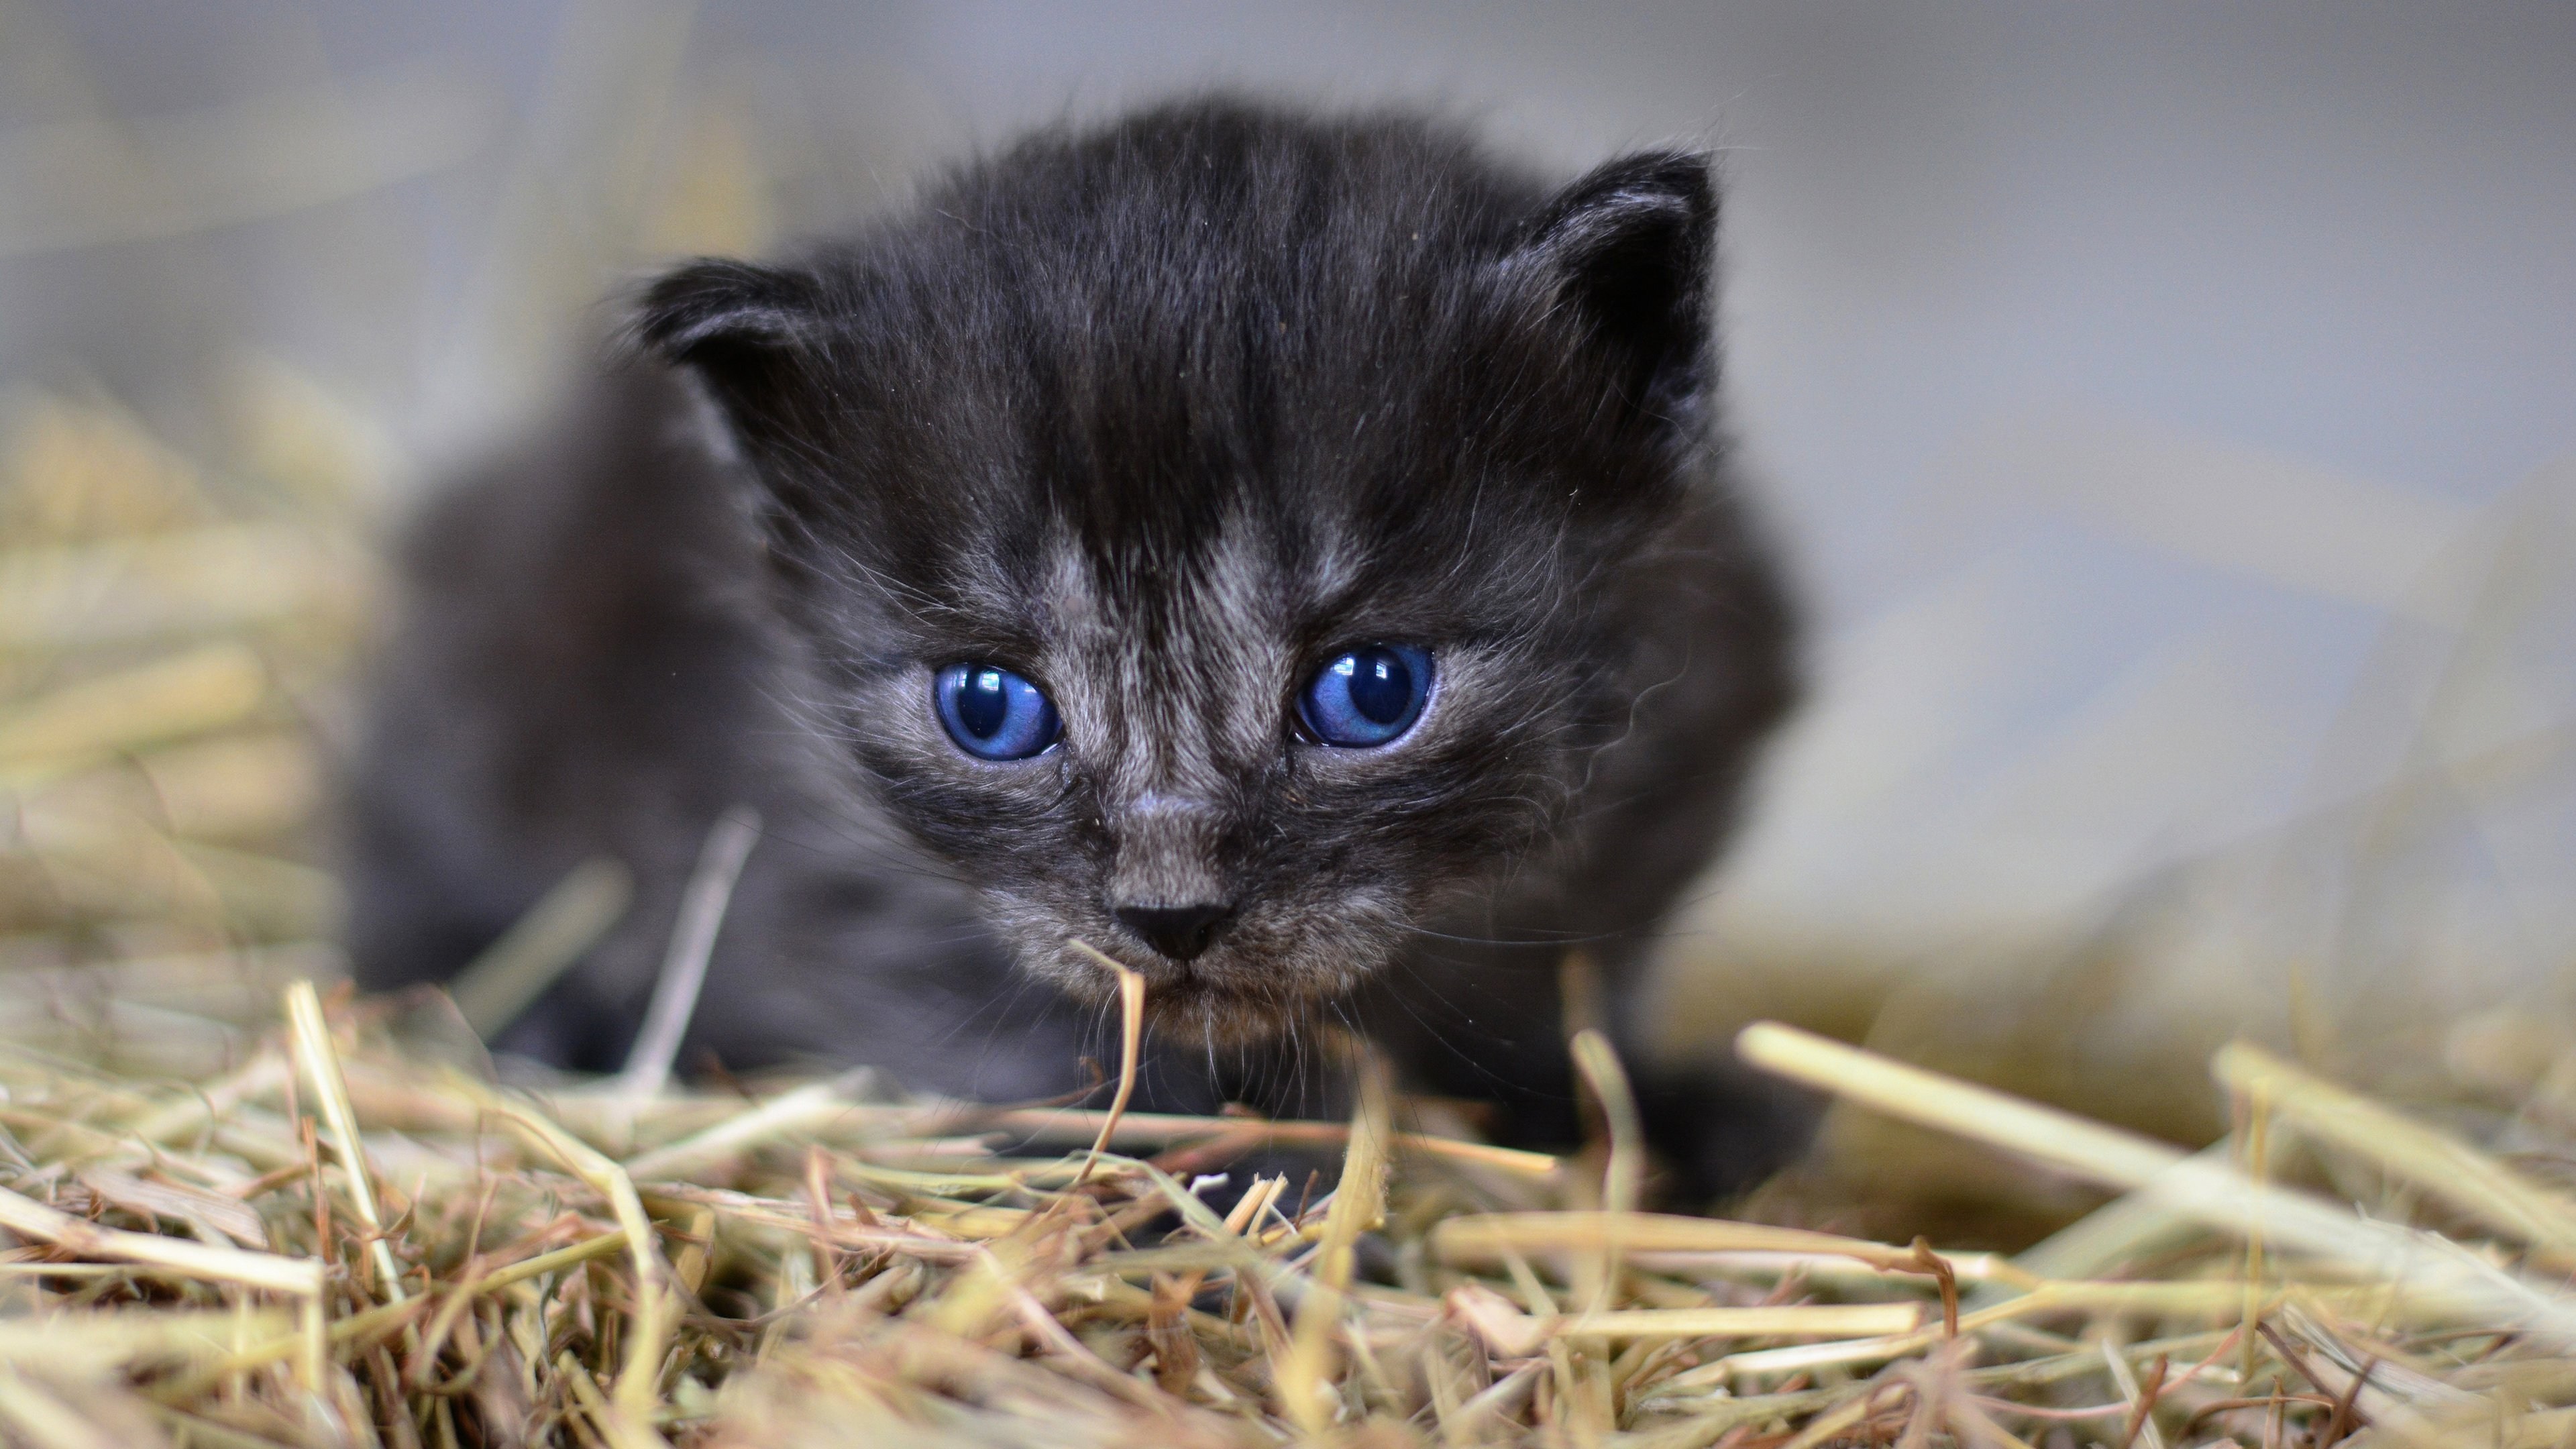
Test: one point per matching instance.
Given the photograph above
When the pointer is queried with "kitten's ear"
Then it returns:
(1631, 246)
(741, 328)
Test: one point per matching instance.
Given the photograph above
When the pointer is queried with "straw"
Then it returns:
(302, 1277)
(321, 1064)
(693, 942)
(583, 1309)
(1131, 1037)
(2423, 1264)
(497, 986)
(2473, 1182)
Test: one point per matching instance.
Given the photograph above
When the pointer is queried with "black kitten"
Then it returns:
(1294, 556)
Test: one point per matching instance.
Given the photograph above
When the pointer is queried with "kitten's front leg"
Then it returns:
(1482, 1021)
(1489, 1023)
(1718, 1129)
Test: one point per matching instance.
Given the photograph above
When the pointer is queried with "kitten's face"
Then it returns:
(1222, 573)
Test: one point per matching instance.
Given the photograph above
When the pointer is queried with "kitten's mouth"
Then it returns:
(1229, 1002)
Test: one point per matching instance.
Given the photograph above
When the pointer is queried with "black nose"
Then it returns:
(1180, 932)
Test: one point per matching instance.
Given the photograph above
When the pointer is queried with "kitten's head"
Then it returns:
(1211, 530)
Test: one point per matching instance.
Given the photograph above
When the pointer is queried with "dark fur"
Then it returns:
(1161, 415)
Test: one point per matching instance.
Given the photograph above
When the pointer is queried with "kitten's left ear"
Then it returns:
(743, 329)
(1631, 247)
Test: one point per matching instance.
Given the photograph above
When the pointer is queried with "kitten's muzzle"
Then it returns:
(1180, 933)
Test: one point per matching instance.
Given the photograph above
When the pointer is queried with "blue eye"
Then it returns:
(1368, 696)
(994, 714)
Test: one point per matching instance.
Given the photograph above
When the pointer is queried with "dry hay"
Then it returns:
(819, 1264)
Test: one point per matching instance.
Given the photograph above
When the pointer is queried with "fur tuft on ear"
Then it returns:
(716, 303)
(1631, 245)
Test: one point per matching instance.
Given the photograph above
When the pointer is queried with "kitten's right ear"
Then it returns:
(739, 327)
(1629, 249)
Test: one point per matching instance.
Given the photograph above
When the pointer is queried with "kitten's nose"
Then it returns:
(1180, 932)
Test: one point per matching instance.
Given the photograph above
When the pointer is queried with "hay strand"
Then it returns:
(2426, 1265)
(321, 1063)
(568, 920)
(1131, 1040)
(693, 943)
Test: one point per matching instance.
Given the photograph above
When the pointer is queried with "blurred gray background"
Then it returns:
(2171, 408)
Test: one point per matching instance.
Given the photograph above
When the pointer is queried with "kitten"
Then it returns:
(1294, 555)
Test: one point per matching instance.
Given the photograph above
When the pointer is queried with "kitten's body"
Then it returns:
(1159, 417)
